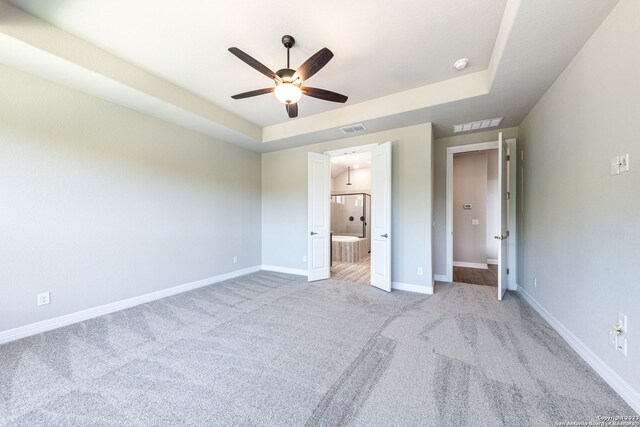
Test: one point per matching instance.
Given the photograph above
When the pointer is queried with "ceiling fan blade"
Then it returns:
(292, 110)
(252, 62)
(253, 93)
(313, 64)
(327, 95)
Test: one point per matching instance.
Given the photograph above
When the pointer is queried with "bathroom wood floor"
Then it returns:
(358, 272)
(476, 276)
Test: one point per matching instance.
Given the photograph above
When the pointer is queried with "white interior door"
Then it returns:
(503, 278)
(319, 194)
(381, 216)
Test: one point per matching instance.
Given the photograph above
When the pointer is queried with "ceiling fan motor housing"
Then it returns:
(286, 74)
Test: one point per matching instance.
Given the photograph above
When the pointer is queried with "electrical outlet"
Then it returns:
(535, 282)
(235, 259)
(420, 271)
(304, 258)
(44, 298)
(621, 344)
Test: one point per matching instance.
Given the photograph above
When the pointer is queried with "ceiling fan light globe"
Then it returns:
(288, 93)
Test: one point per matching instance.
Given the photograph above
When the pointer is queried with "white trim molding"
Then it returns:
(440, 278)
(481, 265)
(410, 287)
(90, 313)
(278, 269)
(492, 261)
(623, 388)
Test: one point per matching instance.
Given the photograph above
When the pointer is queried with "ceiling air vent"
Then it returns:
(480, 124)
(353, 128)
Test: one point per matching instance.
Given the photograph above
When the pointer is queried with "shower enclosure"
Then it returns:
(350, 229)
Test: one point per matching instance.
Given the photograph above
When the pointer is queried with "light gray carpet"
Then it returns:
(270, 349)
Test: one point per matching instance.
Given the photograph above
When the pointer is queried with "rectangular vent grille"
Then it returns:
(359, 127)
(480, 124)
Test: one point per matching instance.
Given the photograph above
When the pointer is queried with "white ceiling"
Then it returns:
(339, 164)
(170, 59)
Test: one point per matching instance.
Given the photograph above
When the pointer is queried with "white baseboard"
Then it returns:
(492, 261)
(623, 388)
(409, 287)
(90, 313)
(277, 269)
(441, 278)
(513, 287)
(470, 264)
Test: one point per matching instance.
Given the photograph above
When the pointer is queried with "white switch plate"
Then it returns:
(420, 271)
(624, 163)
(235, 259)
(475, 221)
(304, 258)
(44, 298)
(622, 319)
(615, 165)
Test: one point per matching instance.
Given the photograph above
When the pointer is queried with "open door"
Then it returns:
(503, 271)
(381, 217)
(319, 194)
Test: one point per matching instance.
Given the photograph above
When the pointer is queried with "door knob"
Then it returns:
(385, 235)
(313, 233)
(499, 237)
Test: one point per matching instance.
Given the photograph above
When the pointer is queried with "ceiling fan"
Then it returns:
(288, 83)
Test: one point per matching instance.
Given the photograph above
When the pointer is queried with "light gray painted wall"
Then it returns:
(470, 187)
(284, 201)
(580, 231)
(440, 186)
(493, 200)
(101, 203)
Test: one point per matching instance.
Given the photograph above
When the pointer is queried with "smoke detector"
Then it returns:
(461, 64)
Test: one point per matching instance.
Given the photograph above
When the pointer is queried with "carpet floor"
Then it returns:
(269, 349)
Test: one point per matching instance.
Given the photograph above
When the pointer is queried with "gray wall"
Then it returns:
(101, 203)
(440, 186)
(470, 187)
(284, 202)
(580, 234)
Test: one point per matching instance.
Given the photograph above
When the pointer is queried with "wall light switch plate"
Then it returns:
(475, 221)
(624, 163)
(420, 271)
(615, 165)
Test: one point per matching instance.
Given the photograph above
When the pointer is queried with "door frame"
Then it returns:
(368, 148)
(512, 257)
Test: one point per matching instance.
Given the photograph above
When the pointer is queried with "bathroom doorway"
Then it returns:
(350, 217)
(476, 217)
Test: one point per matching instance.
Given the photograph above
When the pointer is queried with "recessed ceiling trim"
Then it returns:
(459, 88)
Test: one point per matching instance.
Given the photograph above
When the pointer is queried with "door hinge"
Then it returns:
(508, 195)
(507, 271)
(507, 233)
(508, 157)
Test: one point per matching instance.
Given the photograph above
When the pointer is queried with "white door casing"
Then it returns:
(381, 217)
(318, 239)
(503, 165)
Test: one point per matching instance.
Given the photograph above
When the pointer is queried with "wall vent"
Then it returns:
(359, 127)
(480, 124)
